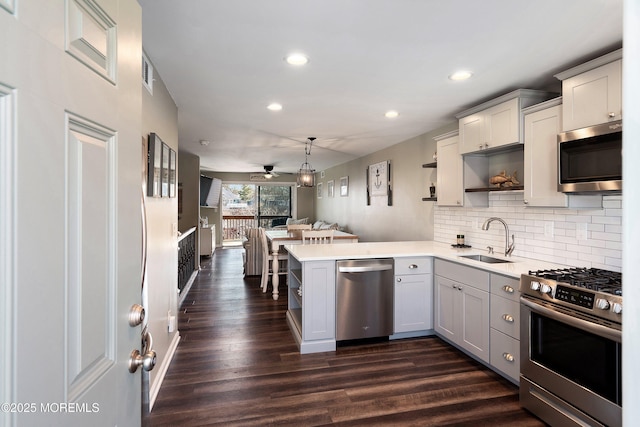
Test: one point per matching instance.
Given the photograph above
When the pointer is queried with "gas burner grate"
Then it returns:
(589, 278)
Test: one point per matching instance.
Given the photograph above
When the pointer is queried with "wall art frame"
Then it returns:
(344, 186)
(154, 165)
(379, 184)
(172, 172)
(165, 171)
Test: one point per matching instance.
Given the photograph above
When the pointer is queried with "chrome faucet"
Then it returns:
(508, 248)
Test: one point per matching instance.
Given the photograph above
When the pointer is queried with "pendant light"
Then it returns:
(306, 175)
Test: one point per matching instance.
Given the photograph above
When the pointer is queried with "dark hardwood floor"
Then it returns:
(238, 365)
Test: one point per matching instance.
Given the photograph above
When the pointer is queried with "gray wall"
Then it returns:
(631, 203)
(160, 115)
(409, 218)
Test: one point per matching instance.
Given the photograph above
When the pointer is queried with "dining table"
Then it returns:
(280, 236)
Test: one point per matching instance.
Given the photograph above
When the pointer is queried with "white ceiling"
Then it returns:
(222, 62)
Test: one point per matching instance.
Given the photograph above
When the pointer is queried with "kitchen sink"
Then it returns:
(484, 258)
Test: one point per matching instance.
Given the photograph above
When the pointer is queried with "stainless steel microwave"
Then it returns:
(590, 159)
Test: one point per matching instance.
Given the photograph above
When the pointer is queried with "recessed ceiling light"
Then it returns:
(274, 106)
(460, 75)
(391, 114)
(204, 142)
(296, 59)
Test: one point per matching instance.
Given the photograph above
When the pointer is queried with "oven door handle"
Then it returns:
(594, 328)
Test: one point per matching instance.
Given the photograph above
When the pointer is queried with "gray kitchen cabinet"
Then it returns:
(413, 295)
(542, 123)
(311, 312)
(461, 307)
(505, 326)
(592, 92)
(449, 175)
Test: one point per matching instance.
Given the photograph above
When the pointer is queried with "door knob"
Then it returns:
(146, 359)
(136, 315)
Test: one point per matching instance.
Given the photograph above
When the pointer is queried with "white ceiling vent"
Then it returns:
(147, 73)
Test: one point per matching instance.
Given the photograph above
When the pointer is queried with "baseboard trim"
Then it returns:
(187, 287)
(155, 387)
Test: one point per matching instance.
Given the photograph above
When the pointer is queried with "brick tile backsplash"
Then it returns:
(578, 237)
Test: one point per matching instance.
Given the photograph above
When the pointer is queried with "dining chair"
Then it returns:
(267, 261)
(314, 237)
(291, 227)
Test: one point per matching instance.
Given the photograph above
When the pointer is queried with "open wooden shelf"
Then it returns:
(486, 189)
(430, 165)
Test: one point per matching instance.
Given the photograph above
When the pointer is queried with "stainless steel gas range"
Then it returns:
(571, 346)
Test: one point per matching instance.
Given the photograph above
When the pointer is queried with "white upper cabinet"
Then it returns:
(541, 157)
(542, 123)
(449, 174)
(592, 92)
(496, 123)
(491, 128)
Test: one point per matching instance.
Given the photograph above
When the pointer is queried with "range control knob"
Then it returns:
(602, 304)
(617, 308)
(545, 289)
(535, 285)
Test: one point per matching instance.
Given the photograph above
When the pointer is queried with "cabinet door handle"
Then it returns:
(508, 357)
(612, 115)
(412, 266)
(507, 318)
(508, 289)
(526, 202)
(399, 279)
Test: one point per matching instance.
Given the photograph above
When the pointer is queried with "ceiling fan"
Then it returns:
(269, 173)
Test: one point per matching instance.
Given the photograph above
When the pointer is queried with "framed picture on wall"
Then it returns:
(379, 183)
(344, 186)
(172, 173)
(154, 165)
(319, 190)
(165, 171)
(330, 188)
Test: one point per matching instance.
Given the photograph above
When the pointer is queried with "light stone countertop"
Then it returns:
(340, 251)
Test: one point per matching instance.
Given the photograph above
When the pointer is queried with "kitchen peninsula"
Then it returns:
(312, 313)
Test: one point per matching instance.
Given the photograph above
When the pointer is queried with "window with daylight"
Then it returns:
(247, 206)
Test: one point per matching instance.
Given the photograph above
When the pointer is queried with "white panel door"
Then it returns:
(70, 126)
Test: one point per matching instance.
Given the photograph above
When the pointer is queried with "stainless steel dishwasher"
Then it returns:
(364, 298)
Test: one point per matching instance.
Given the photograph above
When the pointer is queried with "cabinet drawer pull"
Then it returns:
(412, 266)
(508, 357)
(508, 289)
(612, 115)
(399, 279)
(507, 318)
